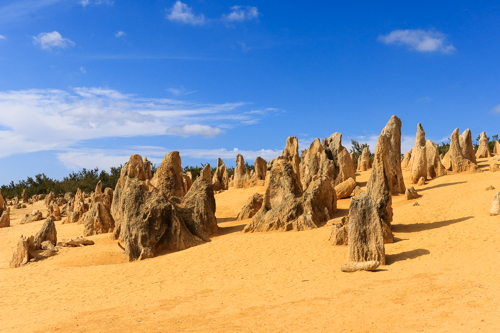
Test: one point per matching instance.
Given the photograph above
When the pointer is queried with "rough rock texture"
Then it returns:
(342, 167)
(21, 255)
(285, 207)
(5, 219)
(421, 181)
(206, 172)
(98, 220)
(353, 158)
(49, 198)
(411, 193)
(251, 208)
(392, 131)
(493, 167)
(344, 189)
(47, 233)
(357, 191)
(55, 211)
(3, 203)
(168, 178)
(239, 172)
(379, 186)
(406, 160)
(491, 187)
(465, 141)
(338, 233)
(496, 149)
(364, 160)
(418, 164)
(454, 160)
(291, 154)
(495, 205)
(220, 180)
(188, 181)
(434, 166)
(365, 234)
(483, 151)
(148, 221)
(24, 196)
(35, 215)
(260, 166)
(312, 161)
(353, 266)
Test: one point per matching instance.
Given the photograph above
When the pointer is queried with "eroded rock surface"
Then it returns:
(252, 207)
(418, 163)
(483, 151)
(392, 131)
(454, 159)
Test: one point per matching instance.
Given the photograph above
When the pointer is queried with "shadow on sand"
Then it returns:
(392, 258)
(440, 185)
(417, 227)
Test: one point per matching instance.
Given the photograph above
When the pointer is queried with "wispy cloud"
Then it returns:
(49, 40)
(82, 70)
(182, 13)
(496, 109)
(419, 40)
(17, 9)
(180, 91)
(85, 3)
(242, 13)
(120, 34)
(106, 158)
(40, 120)
(2, 37)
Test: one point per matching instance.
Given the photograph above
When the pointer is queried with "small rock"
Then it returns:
(490, 188)
(353, 266)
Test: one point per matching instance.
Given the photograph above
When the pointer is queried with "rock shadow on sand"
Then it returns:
(417, 227)
(439, 185)
(413, 254)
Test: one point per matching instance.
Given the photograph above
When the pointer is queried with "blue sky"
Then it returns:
(86, 83)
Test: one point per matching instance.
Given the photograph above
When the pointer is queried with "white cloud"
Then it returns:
(242, 13)
(48, 40)
(82, 70)
(419, 40)
(182, 13)
(496, 109)
(2, 37)
(107, 158)
(181, 91)
(120, 34)
(85, 3)
(40, 120)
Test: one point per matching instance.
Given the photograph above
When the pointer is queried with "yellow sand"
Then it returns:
(442, 275)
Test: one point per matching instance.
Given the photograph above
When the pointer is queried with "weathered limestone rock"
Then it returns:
(344, 189)
(493, 167)
(148, 221)
(434, 166)
(418, 167)
(54, 211)
(495, 205)
(49, 198)
(454, 160)
(98, 220)
(47, 233)
(24, 196)
(496, 149)
(312, 160)
(5, 219)
(251, 208)
(364, 160)
(206, 172)
(98, 188)
(147, 168)
(168, 178)
(411, 193)
(338, 232)
(342, 167)
(21, 255)
(260, 166)
(421, 181)
(392, 131)
(75, 242)
(491, 187)
(286, 208)
(353, 158)
(406, 160)
(3, 203)
(291, 154)
(483, 151)
(60, 201)
(239, 172)
(353, 266)
(188, 181)
(220, 180)
(35, 215)
(357, 191)
(365, 234)
(465, 141)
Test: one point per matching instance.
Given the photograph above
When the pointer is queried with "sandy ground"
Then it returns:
(442, 275)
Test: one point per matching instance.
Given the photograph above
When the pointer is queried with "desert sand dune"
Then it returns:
(441, 274)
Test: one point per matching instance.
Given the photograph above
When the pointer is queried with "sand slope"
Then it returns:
(442, 275)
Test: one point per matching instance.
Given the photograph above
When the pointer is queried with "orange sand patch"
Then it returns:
(442, 275)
